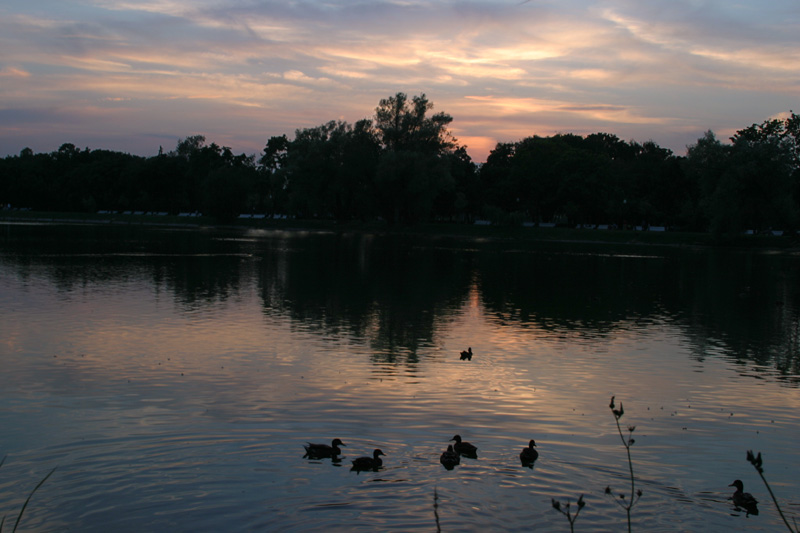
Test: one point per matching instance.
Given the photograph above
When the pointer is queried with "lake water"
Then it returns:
(172, 377)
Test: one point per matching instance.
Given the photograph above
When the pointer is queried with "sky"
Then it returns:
(133, 76)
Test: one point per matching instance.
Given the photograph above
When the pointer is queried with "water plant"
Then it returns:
(626, 503)
(566, 511)
(758, 464)
(19, 516)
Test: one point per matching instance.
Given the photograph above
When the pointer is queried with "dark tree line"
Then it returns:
(404, 166)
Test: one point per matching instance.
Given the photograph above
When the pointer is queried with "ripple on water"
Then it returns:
(185, 409)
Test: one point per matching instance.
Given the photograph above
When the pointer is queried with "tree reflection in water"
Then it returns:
(395, 291)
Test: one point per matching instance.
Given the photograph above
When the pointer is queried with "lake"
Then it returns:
(172, 377)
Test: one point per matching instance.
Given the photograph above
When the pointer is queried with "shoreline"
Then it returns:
(431, 229)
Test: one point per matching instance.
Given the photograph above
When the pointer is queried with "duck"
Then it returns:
(467, 354)
(464, 448)
(368, 463)
(323, 450)
(742, 499)
(528, 455)
(449, 457)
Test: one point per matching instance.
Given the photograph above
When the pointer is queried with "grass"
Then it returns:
(25, 505)
(436, 510)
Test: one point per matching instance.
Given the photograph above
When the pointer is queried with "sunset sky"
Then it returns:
(135, 75)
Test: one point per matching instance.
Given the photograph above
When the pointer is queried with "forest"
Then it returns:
(403, 166)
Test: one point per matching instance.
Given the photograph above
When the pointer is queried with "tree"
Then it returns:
(498, 193)
(214, 180)
(355, 184)
(328, 171)
(188, 146)
(402, 125)
(745, 185)
(311, 167)
(459, 202)
(785, 132)
(761, 172)
(275, 153)
(272, 186)
(414, 167)
(225, 192)
(706, 162)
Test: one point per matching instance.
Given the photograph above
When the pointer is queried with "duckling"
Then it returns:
(467, 354)
(464, 448)
(449, 458)
(528, 455)
(323, 450)
(742, 499)
(368, 463)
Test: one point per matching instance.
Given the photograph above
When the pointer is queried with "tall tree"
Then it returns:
(403, 125)
(414, 168)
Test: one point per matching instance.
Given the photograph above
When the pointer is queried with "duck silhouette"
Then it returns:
(368, 463)
(464, 448)
(323, 450)
(467, 354)
(744, 500)
(529, 455)
(449, 457)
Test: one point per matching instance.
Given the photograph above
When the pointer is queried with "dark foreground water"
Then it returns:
(173, 376)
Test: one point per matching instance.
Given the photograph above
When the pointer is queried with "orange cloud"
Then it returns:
(12, 72)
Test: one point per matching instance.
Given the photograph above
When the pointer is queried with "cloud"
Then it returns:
(13, 72)
(668, 70)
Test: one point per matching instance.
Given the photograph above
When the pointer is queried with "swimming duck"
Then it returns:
(449, 458)
(467, 354)
(323, 450)
(464, 448)
(369, 463)
(528, 455)
(742, 499)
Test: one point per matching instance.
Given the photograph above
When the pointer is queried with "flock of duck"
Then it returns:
(321, 451)
(449, 458)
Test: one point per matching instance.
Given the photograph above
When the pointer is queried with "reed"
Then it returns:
(626, 503)
(758, 464)
(25, 505)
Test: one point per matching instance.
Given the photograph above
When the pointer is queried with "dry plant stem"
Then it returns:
(566, 511)
(757, 463)
(635, 495)
(630, 464)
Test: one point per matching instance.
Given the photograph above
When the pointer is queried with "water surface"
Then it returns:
(172, 377)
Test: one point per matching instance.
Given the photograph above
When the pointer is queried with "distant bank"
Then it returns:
(598, 235)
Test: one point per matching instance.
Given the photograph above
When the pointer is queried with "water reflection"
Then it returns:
(175, 377)
(394, 292)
